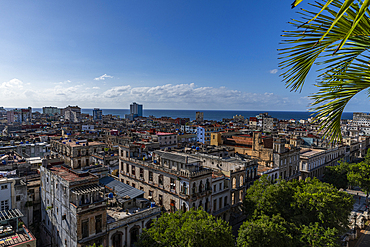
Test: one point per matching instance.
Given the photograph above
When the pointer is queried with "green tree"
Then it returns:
(294, 207)
(266, 231)
(192, 228)
(315, 235)
(359, 174)
(335, 38)
(337, 175)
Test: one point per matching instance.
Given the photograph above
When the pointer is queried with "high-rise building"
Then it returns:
(97, 114)
(72, 113)
(50, 110)
(136, 109)
(199, 117)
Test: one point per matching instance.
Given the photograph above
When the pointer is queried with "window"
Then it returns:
(220, 186)
(151, 193)
(172, 184)
(141, 172)
(214, 204)
(160, 180)
(4, 205)
(150, 176)
(4, 187)
(85, 228)
(142, 188)
(128, 182)
(127, 168)
(18, 198)
(160, 200)
(220, 202)
(132, 170)
(98, 224)
(225, 201)
(133, 185)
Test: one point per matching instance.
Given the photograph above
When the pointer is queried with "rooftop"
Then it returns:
(80, 143)
(117, 213)
(176, 157)
(122, 190)
(71, 175)
(310, 152)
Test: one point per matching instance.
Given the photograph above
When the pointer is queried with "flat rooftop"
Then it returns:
(116, 213)
(80, 143)
(176, 157)
(310, 152)
(70, 175)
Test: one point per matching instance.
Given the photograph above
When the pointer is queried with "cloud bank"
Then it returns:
(15, 93)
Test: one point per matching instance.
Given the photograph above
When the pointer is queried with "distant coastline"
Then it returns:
(210, 114)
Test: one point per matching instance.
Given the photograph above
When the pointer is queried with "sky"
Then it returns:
(196, 55)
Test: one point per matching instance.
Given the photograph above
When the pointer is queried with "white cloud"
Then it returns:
(13, 83)
(102, 77)
(273, 71)
(169, 96)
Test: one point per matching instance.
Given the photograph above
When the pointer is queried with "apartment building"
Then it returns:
(73, 207)
(172, 180)
(76, 153)
(13, 195)
(204, 133)
(313, 160)
(72, 114)
(232, 176)
(128, 213)
(165, 140)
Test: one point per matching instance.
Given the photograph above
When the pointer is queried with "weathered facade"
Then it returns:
(173, 181)
(76, 153)
(73, 207)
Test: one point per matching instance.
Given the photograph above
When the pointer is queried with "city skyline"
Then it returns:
(165, 55)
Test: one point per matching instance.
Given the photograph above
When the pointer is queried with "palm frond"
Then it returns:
(345, 6)
(336, 90)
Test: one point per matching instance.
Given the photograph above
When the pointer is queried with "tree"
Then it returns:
(192, 228)
(359, 174)
(309, 210)
(265, 231)
(315, 235)
(337, 175)
(335, 37)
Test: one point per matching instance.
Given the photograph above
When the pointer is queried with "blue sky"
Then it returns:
(214, 55)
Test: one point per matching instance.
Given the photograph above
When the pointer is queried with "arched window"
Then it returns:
(134, 234)
(234, 182)
(184, 188)
(241, 181)
(200, 186)
(117, 239)
(207, 185)
(194, 189)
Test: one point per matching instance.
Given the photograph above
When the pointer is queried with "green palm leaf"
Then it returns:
(337, 41)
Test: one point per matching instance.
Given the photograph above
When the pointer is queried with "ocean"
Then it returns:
(208, 114)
